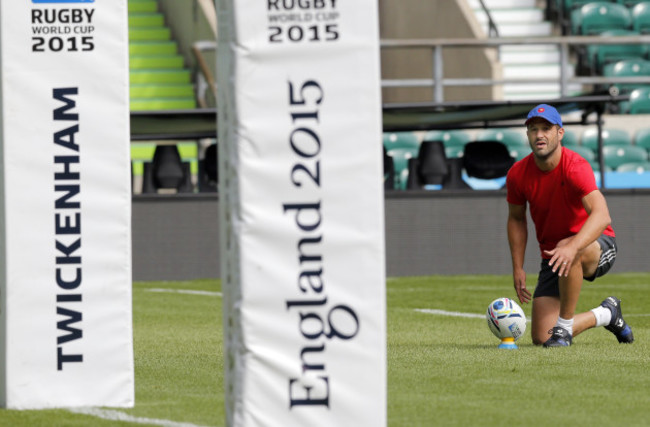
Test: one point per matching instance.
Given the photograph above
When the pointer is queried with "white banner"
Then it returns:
(302, 212)
(65, 264)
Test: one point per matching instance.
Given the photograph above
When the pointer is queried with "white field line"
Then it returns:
(450, 313)
(453, 313)
(112, 415)
(185, 291)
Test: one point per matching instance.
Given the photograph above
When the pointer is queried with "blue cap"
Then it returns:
(547, 113)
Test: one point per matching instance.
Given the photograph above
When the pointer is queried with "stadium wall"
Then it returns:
(176, 237)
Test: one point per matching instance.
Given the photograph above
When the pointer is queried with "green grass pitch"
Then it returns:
(442, 369)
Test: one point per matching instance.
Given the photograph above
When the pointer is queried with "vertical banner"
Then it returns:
(299, 121)
(65, 236)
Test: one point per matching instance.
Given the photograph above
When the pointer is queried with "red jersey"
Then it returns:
(555, 197)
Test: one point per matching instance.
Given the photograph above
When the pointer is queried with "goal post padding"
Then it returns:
(65, 205)
(301, 211)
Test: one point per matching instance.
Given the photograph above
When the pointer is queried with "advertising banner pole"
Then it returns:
(302, 220)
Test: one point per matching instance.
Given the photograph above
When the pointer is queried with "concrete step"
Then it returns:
(544, 57)
(526, 71)
(539, 29)
(503, 4)
(538, 88)
(511, 16)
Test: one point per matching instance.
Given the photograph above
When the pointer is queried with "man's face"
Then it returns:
(544, 138)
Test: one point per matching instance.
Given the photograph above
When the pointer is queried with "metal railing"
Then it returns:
(438, 81)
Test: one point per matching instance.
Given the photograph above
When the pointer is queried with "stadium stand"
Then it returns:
(609, 136)
(450, 138)
(509, 137)
(595, 57)
(617, 155)
(639, 102)
(641, 17)
(627, 68)
(598, 17)
(159, 80)
(642, 138)
(638, 167)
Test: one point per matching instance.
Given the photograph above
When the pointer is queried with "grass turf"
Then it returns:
(442, 370)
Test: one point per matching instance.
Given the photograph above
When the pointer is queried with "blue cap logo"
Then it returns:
(546, 112)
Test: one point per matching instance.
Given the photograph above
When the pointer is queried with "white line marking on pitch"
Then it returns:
(453, 313)
(112, 415)
(450, 313)
(184, 291)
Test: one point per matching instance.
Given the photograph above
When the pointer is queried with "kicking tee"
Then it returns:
(554, 197)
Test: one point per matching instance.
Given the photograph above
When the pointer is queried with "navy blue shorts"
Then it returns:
(548, 284)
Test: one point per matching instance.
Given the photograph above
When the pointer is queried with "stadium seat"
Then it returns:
(610, 137)
(641, 17)
(587, 153)
(638, 167)
(451, 138)
(570, 138)
(615, 156)
(596, 56)
(509, 137)
(519, 153)
(642, 138)
(639, 102)
(408, 140)
(455, 152)
(637, 67)
(597, 17)
(630, 3)
(487, 159)
(167, 171)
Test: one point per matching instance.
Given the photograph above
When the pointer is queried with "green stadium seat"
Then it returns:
(639, 101)
(450, 138)
(615, 156)
(509, 137)
(570, 138)
(641, 18)
(630, 3)
(151, 19)
(642, 138)
(610, 137)
(597, 17)
(455, 152)
(519, 153)
(407, 140)
(587, 153)
(597, 56)
(628, 68)
(401, 157)
(638, 167)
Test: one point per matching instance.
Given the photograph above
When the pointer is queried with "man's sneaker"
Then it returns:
(560, 337)
(617, 325)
